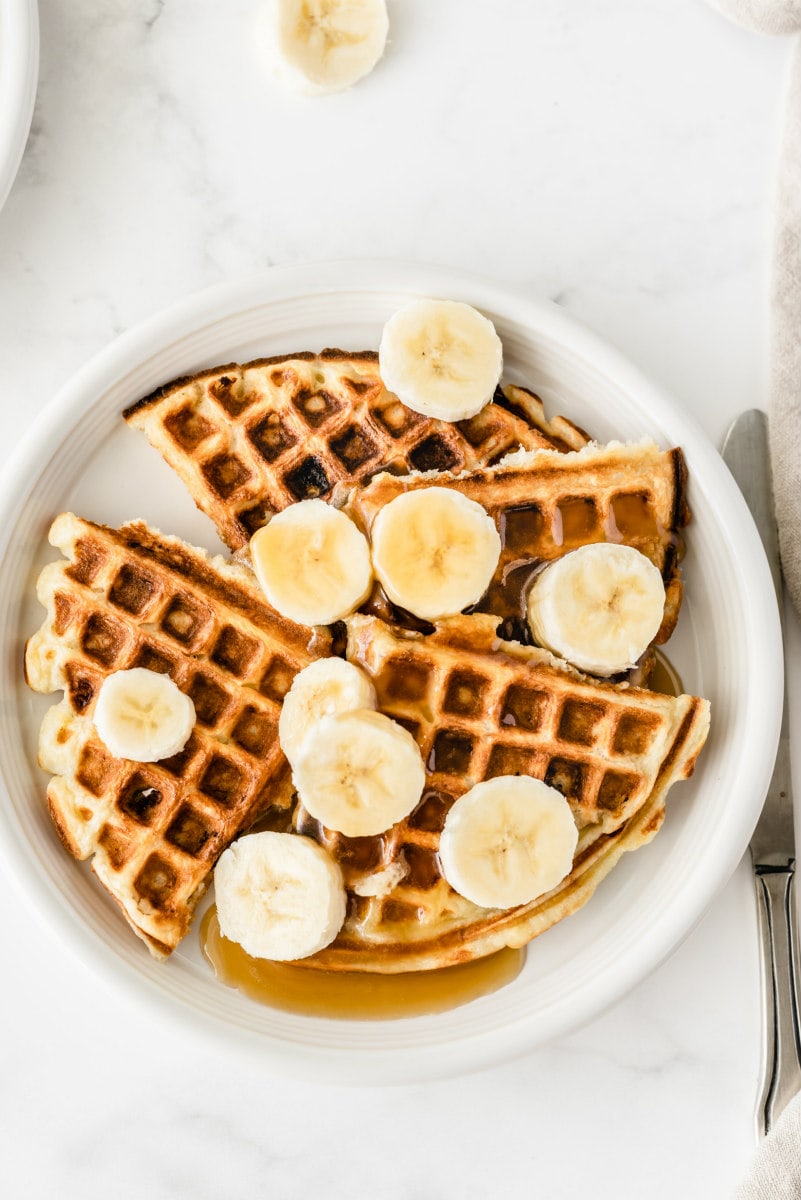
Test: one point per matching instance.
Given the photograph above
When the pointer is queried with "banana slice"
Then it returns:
(279, 895)
(434, 551)
(327, 686)
(318, 46)
(507, 841)
(441, 358)
(359, 773)
(313, 563)
(600, 607)
(142, 715)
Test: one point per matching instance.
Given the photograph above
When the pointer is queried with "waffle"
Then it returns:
(479, 707)
(250, 440)
(135, 598)
(545, 504)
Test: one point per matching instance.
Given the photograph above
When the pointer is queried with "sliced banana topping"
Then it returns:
(434, 551)
(318, 46)
(327, 686)
(441, 358)
(600, 607)
(313, 563)
(507, 841)
(279, 895)
(359, 773)
(142, 715)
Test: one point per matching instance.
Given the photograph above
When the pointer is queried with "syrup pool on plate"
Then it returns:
(354, 995)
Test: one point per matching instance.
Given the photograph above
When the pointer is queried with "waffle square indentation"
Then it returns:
(184, 619)
(115, 845)
(477, 429)
(354, 448)
(315, 405)
(617, 788)
(567, 776)
(80, 688)
(140, 798)
(577, 721)
(255, 732)
(209, 698)
(433, 454)
(423, 870)
(521, 528)
(431, 812)
(404, 679)
(188, 427)
(222, 781)
(225, 474)
(177, 764)
(156, 881)
(272, 437)
(132, 589)
(94, 769)
(634, 733)
(451, 753)
(89, 558)
(397, 419)
(360, 853)
(103, 638)
(308, 481)
(575, 520)
(633, 515)
(234, 651)
(188, 830)
(511, 760)
(465, 694)
(231, 394)
(153, 658)
(524, 707)
(277, 679)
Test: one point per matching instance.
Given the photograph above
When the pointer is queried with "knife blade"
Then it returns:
(772, 847)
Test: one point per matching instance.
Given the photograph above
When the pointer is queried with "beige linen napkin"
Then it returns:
(775, 1172)
(784, 409)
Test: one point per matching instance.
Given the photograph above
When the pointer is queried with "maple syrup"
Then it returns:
(664, 677)
(354, 995)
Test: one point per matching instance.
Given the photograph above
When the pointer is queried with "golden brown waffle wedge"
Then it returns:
(135, 598)
(546, 503)
(250, 440)
(479, 708)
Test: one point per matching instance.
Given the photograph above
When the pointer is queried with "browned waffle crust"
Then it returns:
(135, 598)
(481, 708)
(249, 440)
(546, 503)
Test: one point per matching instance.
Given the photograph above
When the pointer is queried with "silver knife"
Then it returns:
(745, 452)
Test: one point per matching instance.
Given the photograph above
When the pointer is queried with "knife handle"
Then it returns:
(775, 888)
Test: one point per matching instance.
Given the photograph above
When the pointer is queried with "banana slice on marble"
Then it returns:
(441, 358)
(434, 551)
(312, 563)
(279, 895)
(599, 607)
(320, 46)
(507, 841)
(359, 773)
(325, 687)
(142, 715)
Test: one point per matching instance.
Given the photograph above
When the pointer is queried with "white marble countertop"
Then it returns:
(614, 156)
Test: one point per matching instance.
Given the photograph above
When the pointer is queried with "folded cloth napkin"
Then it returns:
(775, 1172)
(784, 409)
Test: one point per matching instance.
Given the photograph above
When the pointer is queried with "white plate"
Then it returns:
(82, 456)
(19, 69)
